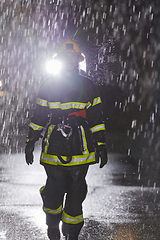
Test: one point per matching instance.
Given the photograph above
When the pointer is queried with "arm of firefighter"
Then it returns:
(33, 136)
(38, 121)
(97, 127)
(41, 112)
(95, 117)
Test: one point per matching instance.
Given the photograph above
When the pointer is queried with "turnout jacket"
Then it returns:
(70, 109)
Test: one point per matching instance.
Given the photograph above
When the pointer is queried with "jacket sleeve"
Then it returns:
(40, 114)
(95, 116)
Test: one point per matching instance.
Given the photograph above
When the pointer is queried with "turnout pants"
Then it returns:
(62, 196)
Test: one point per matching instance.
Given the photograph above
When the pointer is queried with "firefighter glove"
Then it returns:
(29, 151)
(101, 155)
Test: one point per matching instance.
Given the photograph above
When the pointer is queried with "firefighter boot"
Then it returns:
(53, 226)
(71, 231)
(53, 232)
(71, 237)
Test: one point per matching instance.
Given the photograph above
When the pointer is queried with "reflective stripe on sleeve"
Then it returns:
(35, 126)
(53, 211)
(72, 220)
(96, 101)
(101, 143)
(98, 128)
(42, 102)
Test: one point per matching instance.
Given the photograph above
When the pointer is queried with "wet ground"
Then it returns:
(117, 206)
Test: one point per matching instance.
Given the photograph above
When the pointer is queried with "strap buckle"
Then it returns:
(65, 129)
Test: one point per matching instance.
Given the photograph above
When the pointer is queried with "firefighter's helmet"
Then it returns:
(69, 46)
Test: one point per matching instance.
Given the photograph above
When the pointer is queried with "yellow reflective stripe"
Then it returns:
(88, 105)
(41, 189)
(96, 101)
(42, 102)
(69, 105)
(63, 106)
(84, 141)
(98, 128)
(72, 220)
(76, 159)
(50, 129)
(53, 211)
(101, 143)
(76, 105)
(54, 105)
(35, 126)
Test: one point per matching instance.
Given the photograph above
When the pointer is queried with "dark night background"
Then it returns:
(120, 40)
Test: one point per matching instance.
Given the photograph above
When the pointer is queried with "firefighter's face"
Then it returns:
(71, 61)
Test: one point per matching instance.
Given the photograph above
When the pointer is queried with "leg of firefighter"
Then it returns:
(52, 195)
(72, 216)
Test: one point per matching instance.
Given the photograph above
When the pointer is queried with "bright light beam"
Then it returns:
(53, 66)
(82, 65)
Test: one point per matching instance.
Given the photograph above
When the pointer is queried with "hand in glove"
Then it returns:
(101, 152)
(29, 151)
(33, 136)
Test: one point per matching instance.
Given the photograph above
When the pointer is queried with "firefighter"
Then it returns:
(70, 109)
